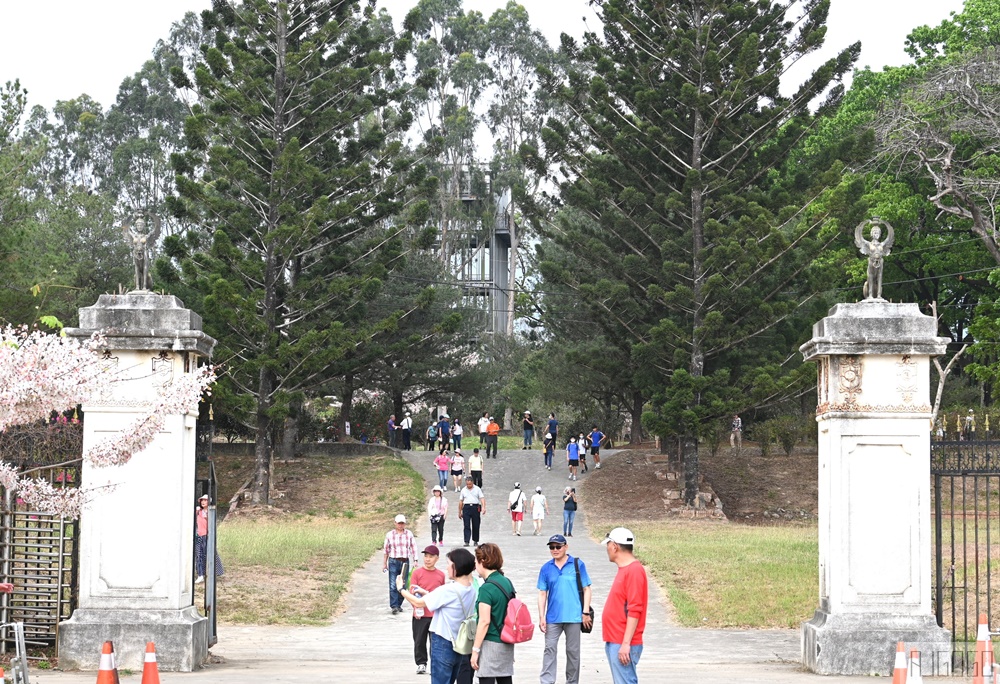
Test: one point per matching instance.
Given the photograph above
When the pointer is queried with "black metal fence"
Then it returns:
(965, 477)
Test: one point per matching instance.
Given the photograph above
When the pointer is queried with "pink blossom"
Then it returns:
(39, 371)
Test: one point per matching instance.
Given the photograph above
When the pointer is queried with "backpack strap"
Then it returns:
(489, 580)
(468, 614)
(579, 582)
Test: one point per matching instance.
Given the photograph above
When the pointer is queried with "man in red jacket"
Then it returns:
(624, 617)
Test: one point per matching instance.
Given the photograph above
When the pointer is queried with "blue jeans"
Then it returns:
(568, 517)
(623, 674)
(444, 661)
(548, 457)
(529, 436)
(395, 599)
(443, 479)
(457, 441)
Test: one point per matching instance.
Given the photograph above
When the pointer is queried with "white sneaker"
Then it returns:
(200, 579)
(598, 466)
(421, 669)
(570, 476)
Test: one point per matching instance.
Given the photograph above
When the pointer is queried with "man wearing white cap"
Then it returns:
(624, 617)
(406, 427)
(400, 549)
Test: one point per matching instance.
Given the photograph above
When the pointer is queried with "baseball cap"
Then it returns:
(517, 485)
(557, 539)
(401, 518)
(203, 496)
(620, 535)
(538, 489)
(432, 551)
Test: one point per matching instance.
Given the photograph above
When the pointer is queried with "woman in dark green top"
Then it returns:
(491, 657)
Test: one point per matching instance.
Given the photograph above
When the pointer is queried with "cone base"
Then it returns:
(865, 644)
(181, 638)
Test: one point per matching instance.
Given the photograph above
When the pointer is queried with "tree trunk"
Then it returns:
(289, 436)
(397, 405)
(697, 364)
(637, 403)
(345, 407)
(264, 447)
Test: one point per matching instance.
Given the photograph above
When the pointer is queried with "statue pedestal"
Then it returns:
(136, 539)
(874, 491)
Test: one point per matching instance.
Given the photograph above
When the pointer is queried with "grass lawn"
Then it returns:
(732, 575)
(292, 567)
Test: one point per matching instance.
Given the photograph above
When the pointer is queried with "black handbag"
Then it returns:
(579, 586)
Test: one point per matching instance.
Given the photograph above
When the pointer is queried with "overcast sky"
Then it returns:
(60, 49)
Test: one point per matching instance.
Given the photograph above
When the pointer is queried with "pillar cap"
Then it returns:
(144, 321)
(875, 327)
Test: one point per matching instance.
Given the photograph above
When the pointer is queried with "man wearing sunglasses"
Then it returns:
(561, 609)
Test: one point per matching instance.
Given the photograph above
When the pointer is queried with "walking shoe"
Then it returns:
(201, 578)
(466, 543)
(421, 669)
(598, 466)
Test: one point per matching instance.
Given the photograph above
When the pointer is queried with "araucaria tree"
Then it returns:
(291, 171)
(670, 159)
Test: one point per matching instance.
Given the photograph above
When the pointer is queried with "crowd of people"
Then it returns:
(471, 588)
(468, 602)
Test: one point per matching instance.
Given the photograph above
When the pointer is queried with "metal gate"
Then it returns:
(966, 495)
(38, 555)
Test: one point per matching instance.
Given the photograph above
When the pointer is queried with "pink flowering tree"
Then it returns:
(40, 372)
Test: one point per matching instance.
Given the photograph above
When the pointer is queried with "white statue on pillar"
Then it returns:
(876, 251)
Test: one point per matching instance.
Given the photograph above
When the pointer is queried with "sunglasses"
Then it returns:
(555, 547)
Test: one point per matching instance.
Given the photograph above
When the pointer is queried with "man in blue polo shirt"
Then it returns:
(561, 609)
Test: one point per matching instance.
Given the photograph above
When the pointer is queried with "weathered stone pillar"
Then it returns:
(136, 540)
(874, 490)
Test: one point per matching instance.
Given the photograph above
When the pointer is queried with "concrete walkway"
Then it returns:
(367, 643)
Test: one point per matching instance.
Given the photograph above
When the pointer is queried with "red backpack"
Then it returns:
(518, 625)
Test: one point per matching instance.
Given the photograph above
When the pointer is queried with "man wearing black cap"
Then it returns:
(623, 618)
(562, 609)
(424, 580)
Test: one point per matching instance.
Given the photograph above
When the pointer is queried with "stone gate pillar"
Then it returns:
(136, 540)
(874, 490)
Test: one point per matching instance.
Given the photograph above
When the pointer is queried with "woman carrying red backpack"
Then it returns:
(492, 656)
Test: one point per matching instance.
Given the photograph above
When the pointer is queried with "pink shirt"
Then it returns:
(441, 462)
(201, 521)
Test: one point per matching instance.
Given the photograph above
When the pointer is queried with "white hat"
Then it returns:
(517, 485)
(203, 496)
(437, 488)
(538, 489)
(407, 413)
(620, 535)
(401, 518)
(548, 435)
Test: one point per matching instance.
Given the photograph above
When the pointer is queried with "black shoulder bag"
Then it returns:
(579, 586)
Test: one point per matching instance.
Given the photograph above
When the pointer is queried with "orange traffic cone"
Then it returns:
(107, 672)
(982, 672)
(899, 669)
(150, 672)
(915, 677)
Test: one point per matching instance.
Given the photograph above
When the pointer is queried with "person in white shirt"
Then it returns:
(539, 507)
(515, 502)
(484, 423)
(406, 426)
(456, 434)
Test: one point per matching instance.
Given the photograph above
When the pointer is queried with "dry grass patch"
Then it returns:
(292, 563)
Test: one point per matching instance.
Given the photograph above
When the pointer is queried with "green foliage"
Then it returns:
(697, 258)
(292, 169)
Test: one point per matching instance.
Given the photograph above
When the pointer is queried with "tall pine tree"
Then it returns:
(292, 169)
(677, 128)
